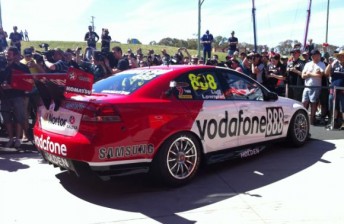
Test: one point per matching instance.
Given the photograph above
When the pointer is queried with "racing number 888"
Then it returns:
(202, 82)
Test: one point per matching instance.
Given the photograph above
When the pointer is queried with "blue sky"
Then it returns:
(153, 20)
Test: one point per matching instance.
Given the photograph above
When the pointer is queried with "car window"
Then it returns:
(199, 85)
(239, 87)
(126, 82)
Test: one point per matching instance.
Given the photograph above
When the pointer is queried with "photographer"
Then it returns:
(31, 62)
(59, 64)
(99, 66)
(106, 40)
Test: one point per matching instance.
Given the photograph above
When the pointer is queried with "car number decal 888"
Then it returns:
(202, 82)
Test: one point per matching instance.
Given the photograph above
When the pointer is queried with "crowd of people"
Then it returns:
(304, 75)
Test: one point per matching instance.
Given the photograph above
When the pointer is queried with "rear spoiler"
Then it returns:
(52, 86)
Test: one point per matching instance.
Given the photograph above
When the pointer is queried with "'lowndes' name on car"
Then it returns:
(271, 124)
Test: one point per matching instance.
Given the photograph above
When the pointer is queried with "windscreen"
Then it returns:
(126, 82)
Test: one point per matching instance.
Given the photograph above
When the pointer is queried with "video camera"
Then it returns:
(45, 46)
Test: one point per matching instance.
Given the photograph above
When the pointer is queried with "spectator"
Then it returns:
(121, 63)
(207, 39)
(30, 62)
(312, 73)
(166, 58)
(310, 46)
(257, 68)
(275, 73)
(106, 40)
(26, 35)
(306, 57)
(3, 39)
(246, 65)
(294, 72)
(13, 99)
(235, 64)
(336, 72)
(133, 63)
(16, 38)
(91, 38)
(232, 44)
(60, 65)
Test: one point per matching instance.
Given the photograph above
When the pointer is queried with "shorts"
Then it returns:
(13, 110)
(311, 95)
(339, 104)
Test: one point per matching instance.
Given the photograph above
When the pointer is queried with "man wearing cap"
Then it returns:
(232, 44)
(336, 72)
(294, 70)
(312, 73)
(31, 62)
(207, 39)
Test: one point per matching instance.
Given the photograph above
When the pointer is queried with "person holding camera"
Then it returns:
(59, 64)
(31, 62)
(106, 40)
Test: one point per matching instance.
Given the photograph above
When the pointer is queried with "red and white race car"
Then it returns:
(165, 119)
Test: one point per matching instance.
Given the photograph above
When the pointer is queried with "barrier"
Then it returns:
(335, 88)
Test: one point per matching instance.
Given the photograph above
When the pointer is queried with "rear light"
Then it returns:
(100, 113)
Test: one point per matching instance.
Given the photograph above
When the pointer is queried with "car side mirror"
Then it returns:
(271, 96)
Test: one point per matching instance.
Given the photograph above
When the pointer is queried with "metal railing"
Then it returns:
(335, 88)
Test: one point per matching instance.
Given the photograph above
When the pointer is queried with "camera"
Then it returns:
(44, 45)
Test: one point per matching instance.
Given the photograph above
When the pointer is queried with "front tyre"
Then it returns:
(299, 129)
(178, 160)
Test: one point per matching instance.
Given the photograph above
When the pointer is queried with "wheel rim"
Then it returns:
(301, 127)
(182, 158)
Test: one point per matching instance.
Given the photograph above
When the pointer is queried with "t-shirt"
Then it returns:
(232, 47)
(207, 37)
(313, 68)
(90, 37)
(337, 75)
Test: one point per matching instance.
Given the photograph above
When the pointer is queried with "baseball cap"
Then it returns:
(314, 52)
(27, 52)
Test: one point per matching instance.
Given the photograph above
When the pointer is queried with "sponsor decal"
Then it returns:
(50, 146)
(62, 162)
(60, 120)
(270, 124)
(125, 151)
(249, 152)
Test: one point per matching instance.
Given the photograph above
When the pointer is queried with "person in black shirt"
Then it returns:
(294, 71)
(106, 40)
(16, 38)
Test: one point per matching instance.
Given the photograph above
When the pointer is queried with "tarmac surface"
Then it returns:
(279, 186)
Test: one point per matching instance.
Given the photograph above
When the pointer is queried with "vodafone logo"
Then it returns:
(271, 125)
(50, 146)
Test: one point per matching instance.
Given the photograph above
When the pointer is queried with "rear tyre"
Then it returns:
(299, 129)
(178, 160)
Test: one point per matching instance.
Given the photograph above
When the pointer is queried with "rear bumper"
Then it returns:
(78, 154)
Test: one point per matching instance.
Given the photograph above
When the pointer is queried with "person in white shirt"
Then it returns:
(312, 73)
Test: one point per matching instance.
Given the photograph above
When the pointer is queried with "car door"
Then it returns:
(201, 93)
(258, 120)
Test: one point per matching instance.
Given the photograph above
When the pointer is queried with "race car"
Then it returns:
(166, 120)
